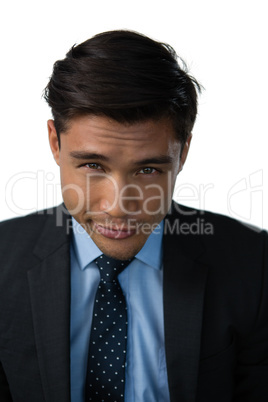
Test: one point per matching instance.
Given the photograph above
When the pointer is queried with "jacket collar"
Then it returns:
(49, 284)
(55, 233)
(184, 287)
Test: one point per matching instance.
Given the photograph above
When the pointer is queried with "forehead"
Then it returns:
(90, 129)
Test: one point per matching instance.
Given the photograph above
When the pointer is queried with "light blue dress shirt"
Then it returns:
(141, 281)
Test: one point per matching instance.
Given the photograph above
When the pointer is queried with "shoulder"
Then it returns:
(14, 225)
(25, 226)
(200, 222)
(216, 233)
(19, 235)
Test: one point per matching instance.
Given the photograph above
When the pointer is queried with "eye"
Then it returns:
(148, 170)
(93, 166)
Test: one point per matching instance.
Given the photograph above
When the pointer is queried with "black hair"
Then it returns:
(125, 76)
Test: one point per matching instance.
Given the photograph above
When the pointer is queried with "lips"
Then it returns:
(116, 233)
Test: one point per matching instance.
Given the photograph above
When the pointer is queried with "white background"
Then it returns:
(225, 46)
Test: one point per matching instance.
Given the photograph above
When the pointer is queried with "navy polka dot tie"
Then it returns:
(108, 338)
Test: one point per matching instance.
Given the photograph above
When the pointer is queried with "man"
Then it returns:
(193, 302)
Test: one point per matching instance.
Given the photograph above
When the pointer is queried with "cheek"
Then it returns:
(73, 191)
(157, 197)
(81, 193)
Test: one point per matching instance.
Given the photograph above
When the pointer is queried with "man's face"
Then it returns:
(118, 179)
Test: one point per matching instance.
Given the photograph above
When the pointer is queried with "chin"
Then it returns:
(119, 249)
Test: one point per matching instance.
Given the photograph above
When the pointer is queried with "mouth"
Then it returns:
(117, 233)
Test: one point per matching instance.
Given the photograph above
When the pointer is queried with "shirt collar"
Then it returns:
(87, 251)
(151, 252)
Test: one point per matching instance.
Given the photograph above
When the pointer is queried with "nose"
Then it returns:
(120, 198)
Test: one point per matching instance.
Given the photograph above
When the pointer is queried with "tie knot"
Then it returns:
(110, 267)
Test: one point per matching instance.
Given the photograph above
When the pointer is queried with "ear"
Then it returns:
(53, 140)
(185, 152)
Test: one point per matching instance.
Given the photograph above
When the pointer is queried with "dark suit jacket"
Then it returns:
(215, 308)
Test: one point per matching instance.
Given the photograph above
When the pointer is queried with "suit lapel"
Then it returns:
(49, 284)
(184, 287)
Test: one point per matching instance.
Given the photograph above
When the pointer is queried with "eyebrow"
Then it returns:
(158, 160)
(88, 155)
